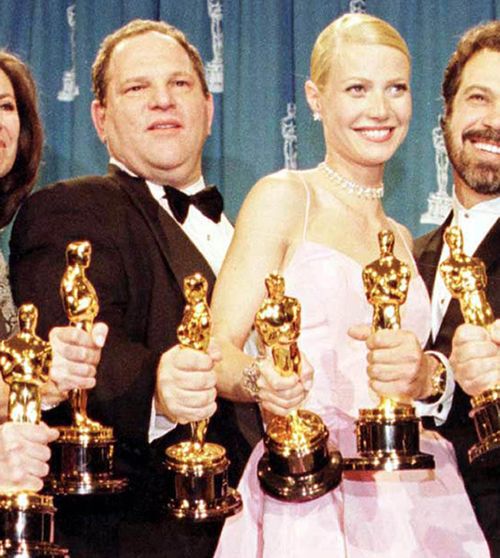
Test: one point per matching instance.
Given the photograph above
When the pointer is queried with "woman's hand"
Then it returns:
(281, 394)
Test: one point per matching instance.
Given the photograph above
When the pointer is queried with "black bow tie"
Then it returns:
(208, 201)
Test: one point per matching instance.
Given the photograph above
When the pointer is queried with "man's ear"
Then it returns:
(98, 114)
(442, 122)
(210, 112)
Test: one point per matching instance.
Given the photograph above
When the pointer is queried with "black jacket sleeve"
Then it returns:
(46, 223)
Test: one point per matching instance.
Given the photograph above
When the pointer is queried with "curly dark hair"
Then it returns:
(480, 37)
(19, 181)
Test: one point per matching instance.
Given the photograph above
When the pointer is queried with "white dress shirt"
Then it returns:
(211, 239)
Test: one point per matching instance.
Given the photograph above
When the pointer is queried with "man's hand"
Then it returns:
(397, 366)
(185, 384)
(24, 454)
(475, 357)
(75, 357)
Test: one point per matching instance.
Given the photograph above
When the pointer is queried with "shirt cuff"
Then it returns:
(44, 406)
(158, 425)
(440, 409)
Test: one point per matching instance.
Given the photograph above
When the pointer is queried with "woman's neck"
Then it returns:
(368, 176)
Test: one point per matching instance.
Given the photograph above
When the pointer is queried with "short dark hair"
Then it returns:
(133, 29)
(485, 36)
(19, 181)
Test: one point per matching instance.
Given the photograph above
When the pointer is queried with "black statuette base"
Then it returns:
(199, 493)
(27, 526)
(82, 465)
(486, 418)
(385, 444)
(300, 474)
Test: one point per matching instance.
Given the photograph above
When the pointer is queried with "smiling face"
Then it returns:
(365, 107)
(156, 118)
(9, 125)
(472, 129)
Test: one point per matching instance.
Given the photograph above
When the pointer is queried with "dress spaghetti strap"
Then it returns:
(308, 205)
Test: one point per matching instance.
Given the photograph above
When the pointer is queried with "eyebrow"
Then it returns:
(354, 80)
(365, 78)
(6, 95)
(145, 78)
(134, 78)
(475, 87)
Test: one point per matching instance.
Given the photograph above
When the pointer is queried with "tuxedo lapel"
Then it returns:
(489, 249)
(428, 263)
(185, 258)
(180, 253)
(428, 252)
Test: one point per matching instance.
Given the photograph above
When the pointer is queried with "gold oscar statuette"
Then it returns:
(388, 436)
(82, 456)
(299, 463)
(26, 518)
(466, 279)
(197, 470)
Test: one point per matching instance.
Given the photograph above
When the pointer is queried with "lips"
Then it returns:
(484, 140)
(489, 147)
(165, 124)
(377, 135)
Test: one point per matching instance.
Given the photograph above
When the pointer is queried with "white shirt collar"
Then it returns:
(491, 206)
(157, 190)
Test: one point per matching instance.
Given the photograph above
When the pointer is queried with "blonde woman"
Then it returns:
(319, 228)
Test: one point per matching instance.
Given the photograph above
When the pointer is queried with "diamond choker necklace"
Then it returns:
(351, 187)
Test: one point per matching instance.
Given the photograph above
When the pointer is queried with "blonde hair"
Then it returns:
(351, 28)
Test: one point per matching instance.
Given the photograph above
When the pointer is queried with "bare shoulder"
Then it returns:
(274, 206)
(284, 186)
(406, 234)
(280, 195)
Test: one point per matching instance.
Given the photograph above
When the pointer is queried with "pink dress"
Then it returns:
(411, 514)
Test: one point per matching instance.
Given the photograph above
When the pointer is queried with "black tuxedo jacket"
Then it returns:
(483, 485)
(140, 257)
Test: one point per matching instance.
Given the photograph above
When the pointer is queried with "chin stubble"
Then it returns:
(482, 177)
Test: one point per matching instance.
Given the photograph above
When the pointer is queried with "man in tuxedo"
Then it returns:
(151, 221)
(471, 125)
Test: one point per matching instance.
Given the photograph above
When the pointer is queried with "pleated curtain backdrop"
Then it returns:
(257, 58)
